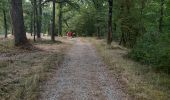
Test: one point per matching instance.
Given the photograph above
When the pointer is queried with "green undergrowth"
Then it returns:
(153, 49)
(140, 82)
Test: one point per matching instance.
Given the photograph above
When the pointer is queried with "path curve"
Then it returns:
(82, 76)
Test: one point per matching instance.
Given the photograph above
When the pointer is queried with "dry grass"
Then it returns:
(23, 71)
(139, 80)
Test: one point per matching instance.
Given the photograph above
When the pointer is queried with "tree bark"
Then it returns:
(98, 32)
(53, 23)
(161, 16)
(60, 20)
(34, 18)
(39, 19)
(109, 37)
(18, 22)
(31, 23)
(5, 23)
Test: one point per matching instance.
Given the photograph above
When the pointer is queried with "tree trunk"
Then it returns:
(142, 27)
(123, 40)
(34, 15)
(5, 24)
(11, 30)
(53, 23)
(98, 32)
(109, 38)
(142, 7)
(161, 15)
(115, 27)
(31, 23)
(60, 20)
(39, 20)
(18, 22)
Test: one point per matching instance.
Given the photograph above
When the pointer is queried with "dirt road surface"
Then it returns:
(82, 76)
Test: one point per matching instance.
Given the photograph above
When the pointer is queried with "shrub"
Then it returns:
(153, 49)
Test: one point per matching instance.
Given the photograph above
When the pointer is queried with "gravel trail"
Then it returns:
(82, 76)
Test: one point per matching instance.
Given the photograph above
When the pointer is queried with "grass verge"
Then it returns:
(23, 71)
(140, 81)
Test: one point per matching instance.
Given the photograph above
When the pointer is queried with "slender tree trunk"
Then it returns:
(109, 38)
(98, 32)
(98, 25)
(12, 30)
(5, 24)
(123, 40)
(18, 22)
(34, 15)
(53, 22)
(115, 27)
(142, 7)
(10, 22)
(141, 19)
(40, 19)
(60, 20)
(161, 15)
(37, 20)
(50, 28)
(31, 24)
(39, 15)
(97, 6)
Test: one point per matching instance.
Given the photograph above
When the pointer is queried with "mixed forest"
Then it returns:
(141, 26)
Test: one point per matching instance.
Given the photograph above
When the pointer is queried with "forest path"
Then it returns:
(82, 76)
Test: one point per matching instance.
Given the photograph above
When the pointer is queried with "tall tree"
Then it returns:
(109, 37)
(31, 23)
(5, 23)
(39, 21)
(53, 22)
(18, 22)
(34, 18)
(161, 15)
(4, 7)
(60, 19)
(98, 5)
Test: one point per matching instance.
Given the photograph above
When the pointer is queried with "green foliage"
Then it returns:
(91, 15)
(28, 8)
(154, 49)
(83, 25)
(4, 6)
(134, 21)
(46, 18)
